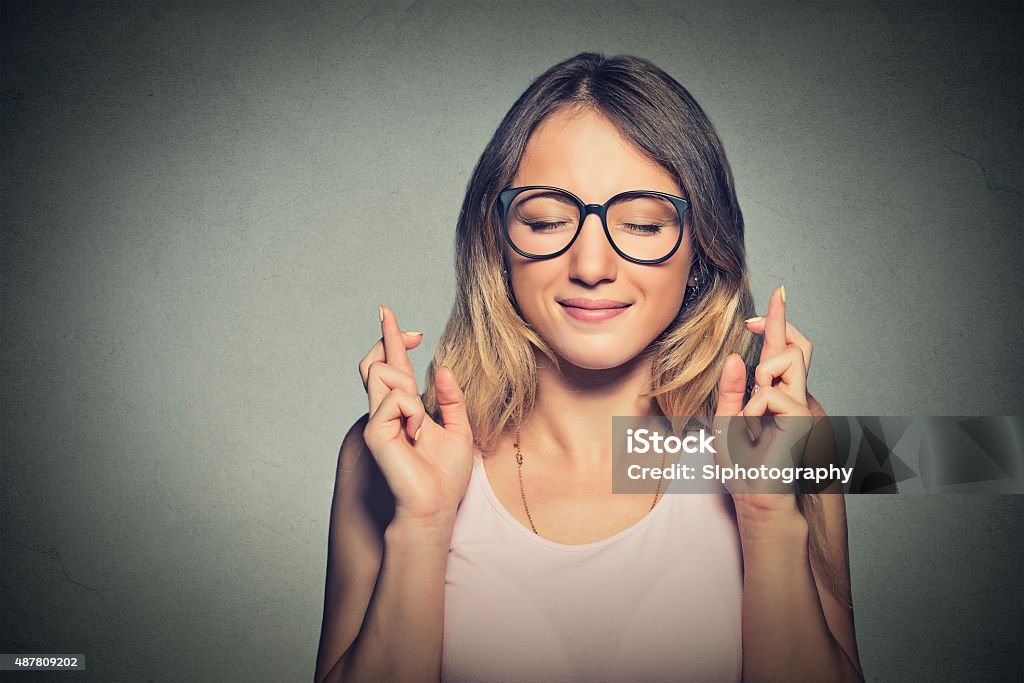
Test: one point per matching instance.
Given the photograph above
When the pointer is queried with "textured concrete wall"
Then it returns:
(204, 203)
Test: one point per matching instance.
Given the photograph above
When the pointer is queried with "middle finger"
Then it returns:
(775, 324)
(394, 345)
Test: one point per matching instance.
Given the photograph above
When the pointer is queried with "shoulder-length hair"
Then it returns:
(489, 346)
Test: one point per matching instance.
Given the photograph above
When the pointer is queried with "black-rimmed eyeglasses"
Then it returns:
(541, 222)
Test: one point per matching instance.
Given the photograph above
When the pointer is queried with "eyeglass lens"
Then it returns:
(542, 222)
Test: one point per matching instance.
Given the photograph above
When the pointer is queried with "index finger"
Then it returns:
(775, 323)
(394, 344)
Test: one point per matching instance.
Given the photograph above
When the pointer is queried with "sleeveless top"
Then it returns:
(657, 601)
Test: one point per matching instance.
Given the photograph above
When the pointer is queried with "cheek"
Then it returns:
(665, 304)
(665, 288)
(527, 286)
(672, 281)
(532, 280)
(670, 300)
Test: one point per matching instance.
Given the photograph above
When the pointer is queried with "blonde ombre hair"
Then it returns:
(491, 348)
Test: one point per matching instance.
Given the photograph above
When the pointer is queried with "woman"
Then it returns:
(473, 532)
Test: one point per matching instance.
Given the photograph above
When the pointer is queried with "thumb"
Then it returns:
(451, 400)
(731, 386)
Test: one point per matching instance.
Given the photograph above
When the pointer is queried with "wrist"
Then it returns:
(779, 522)
(413, 533)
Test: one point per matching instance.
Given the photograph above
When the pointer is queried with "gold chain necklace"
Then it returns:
(522, 491)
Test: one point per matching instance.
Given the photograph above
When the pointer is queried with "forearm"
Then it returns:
(401, 635)
(785, 634)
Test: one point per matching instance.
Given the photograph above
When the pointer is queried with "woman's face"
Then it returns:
(584, 153)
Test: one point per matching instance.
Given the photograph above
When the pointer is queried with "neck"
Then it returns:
(572, 416)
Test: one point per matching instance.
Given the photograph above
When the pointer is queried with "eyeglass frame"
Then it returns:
(506, 196)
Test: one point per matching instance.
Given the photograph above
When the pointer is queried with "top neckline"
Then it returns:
(485, 484)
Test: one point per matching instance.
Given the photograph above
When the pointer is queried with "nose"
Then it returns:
(591, 258)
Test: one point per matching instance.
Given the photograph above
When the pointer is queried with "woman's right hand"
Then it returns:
(427, 466)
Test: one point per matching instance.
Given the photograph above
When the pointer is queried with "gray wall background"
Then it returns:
(204, 203)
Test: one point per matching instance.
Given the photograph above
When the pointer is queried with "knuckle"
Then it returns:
(368, 357)
(400, 393)
(408, 385)
(374, 368)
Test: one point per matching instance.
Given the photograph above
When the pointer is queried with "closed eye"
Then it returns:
(650, 229)
(542, 226)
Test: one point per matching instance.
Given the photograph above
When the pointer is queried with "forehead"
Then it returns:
(583, 152)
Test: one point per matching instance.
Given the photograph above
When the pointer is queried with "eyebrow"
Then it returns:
(564, 199)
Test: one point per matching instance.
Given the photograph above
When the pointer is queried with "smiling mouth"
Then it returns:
(592, 310)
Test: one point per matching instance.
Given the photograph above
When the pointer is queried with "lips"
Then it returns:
(593, 304)
(592, 310)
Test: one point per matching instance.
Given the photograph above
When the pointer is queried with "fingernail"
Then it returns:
(414, 334)
(750, 434)
(416, 436)
(755, 319)
(756, 388)
(380, 311)
(782, 288)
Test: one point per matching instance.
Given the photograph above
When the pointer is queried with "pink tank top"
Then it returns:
(657, 601)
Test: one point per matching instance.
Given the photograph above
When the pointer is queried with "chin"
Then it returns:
(597, 358)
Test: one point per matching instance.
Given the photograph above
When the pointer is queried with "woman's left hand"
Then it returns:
(780, 391)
